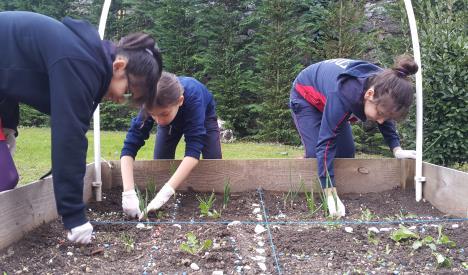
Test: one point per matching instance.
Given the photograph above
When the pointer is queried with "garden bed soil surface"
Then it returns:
(289, 241)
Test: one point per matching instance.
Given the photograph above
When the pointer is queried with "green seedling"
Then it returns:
(464, 265)
(172, 168)
(367, 215)
(206, 204)
(128, 242)
(372, 238)
(405, 216)
(292, 194)
(309, 196)
(403, 234)
(194, 246)
(442, 261)
(432, 244)
(226, 193)
(144, 199)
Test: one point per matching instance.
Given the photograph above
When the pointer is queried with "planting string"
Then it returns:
(260, 194)
(336, 222)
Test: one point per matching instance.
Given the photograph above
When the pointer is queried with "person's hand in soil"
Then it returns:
(335, 207)
(131, 204)
(404, 154)
(161, 198)
(81, 234)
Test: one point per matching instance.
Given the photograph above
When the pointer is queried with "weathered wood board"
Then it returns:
(446, 189)
(28, 206)
(352, 175)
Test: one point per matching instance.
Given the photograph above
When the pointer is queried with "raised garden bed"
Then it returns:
(275, 235)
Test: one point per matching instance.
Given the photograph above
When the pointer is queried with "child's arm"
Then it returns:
(182, 172)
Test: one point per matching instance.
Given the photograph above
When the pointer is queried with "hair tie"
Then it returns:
(149, 51)
(402, 72)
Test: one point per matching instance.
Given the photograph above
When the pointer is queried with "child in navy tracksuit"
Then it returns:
(328, 94)
(182, 106)
(64, 69)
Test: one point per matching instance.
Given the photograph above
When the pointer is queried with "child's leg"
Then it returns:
(167, 138)
(9, 175)
(212, 144)
(307, 120)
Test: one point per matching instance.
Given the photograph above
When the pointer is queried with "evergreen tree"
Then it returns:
(225, 33)
(278, 62)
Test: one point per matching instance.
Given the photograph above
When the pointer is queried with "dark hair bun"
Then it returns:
(137, 41)
(405, 65)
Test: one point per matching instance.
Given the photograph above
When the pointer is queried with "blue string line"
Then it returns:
(335, 222)
(260, 193)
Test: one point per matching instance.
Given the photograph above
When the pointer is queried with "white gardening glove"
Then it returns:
(405, 154)
(81, 234)
(10, 139)
(161, 198)
(335, 208)
(131, 204)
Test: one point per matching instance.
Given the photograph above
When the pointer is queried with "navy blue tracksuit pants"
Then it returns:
(167, 138)
(308, 119)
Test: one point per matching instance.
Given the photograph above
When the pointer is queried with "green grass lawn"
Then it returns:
(33, 150)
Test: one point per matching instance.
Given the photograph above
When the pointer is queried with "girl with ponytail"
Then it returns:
(327, 95)
(65, 70)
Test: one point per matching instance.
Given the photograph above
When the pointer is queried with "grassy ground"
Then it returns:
(33, 151)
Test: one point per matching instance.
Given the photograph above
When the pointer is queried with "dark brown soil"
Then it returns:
(292, 242)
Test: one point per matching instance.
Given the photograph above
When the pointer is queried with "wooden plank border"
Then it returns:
(352, 175)
(28, 206)
(446, 189)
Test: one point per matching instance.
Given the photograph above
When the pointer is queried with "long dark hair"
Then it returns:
(393, 89)
(144, 64)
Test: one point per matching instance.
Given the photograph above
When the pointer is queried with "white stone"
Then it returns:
(455, 225)
(256, 210)
(373, 229)
(177, 225)
(194, 266)
(217, 272)
(259, 217)
(280, 216)
(385, 229)
(262, 266)
(140, 225)
(260, 250)
(69, 253)
(412, 227)
(234, 223)
(247, 267)
(261, 243)
(259, 229)
(255, 204)
(348, 229)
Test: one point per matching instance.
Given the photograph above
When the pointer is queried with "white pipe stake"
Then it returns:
(418, 178)
(96, 116)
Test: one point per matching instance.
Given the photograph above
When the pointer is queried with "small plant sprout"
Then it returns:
(172, 168)
(150, 193)
(403, 234)
(372, 237)
(128, 242)
(442, 261)
(205, 205)
(367, 215)
(309, 196)
(226, 193)
(194, 246)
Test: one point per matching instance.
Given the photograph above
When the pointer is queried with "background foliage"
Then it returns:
(248, 52)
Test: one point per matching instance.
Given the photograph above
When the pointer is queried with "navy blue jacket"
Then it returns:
(336, 87)
(198, 106)
(62, 69)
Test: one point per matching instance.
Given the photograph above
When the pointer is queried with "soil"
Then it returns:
(287, 240)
